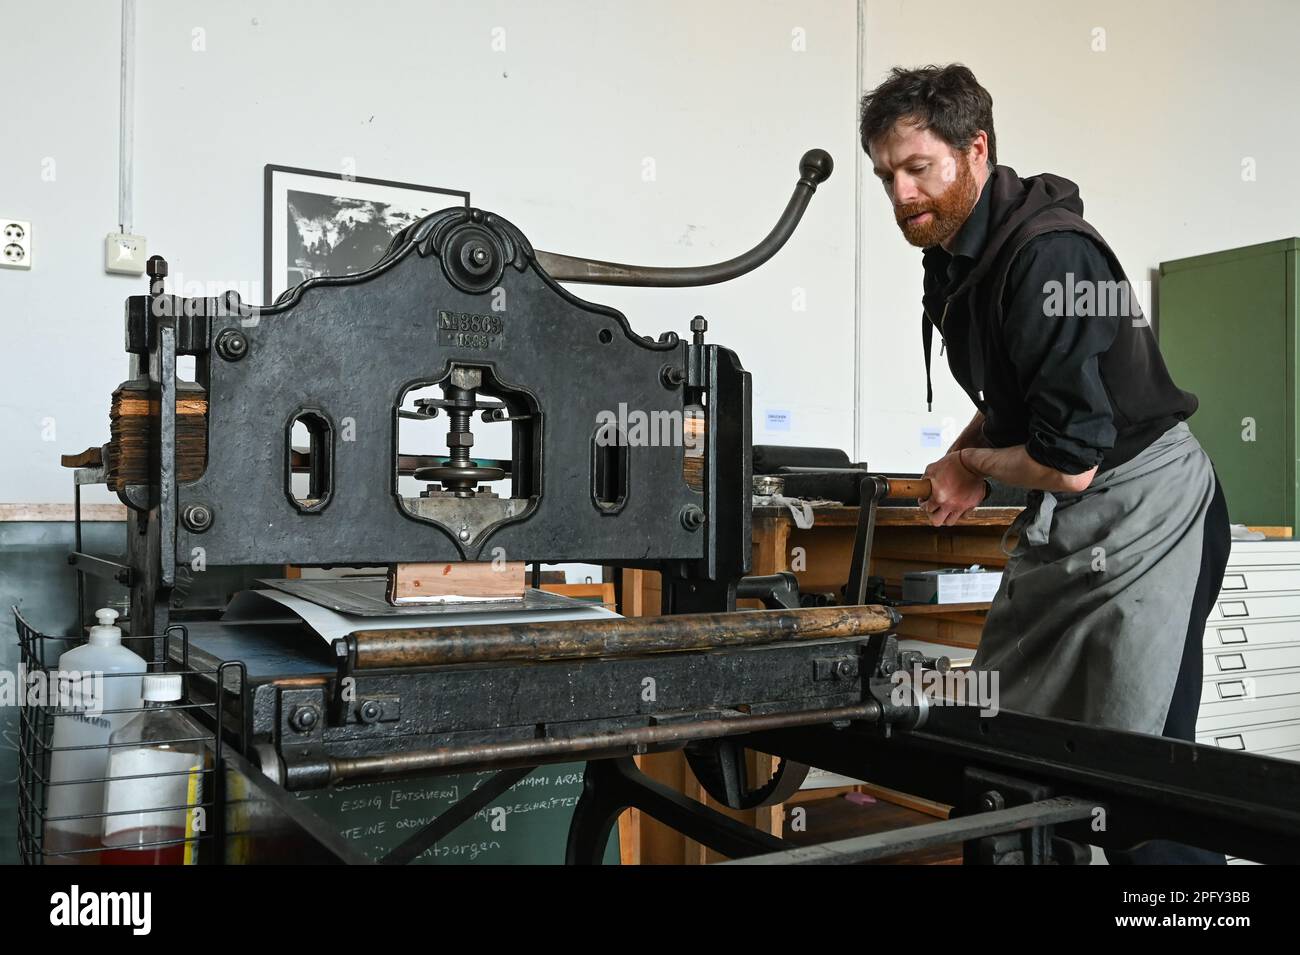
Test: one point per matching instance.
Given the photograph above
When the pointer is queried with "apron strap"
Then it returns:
(1034, 523)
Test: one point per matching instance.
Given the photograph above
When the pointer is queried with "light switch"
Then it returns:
(125, 253)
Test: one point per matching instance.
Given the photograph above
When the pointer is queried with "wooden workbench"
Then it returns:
(820, 557)
(904, 541)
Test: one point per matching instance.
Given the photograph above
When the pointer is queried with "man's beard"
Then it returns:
(948, 211)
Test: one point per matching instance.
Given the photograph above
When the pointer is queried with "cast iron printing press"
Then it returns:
(463, 309)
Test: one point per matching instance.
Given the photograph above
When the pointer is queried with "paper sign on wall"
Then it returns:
(775, 420)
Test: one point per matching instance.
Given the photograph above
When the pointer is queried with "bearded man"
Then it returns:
(1122, 548)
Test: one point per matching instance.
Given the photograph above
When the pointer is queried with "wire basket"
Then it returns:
(193, 791)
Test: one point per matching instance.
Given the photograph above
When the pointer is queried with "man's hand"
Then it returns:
(954, 490)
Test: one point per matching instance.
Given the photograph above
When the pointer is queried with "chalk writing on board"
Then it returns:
(447, 794)
(354, 805)
(376, 816)
(555, 802)
(470, 849)
(364, 832)
(534, 781)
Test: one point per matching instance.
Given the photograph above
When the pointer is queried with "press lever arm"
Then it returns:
(814, 169)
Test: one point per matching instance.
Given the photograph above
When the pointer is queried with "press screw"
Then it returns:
(232, 344)
(156, 269)
(672, 376)
(692, 517)
(303, 718)
(197, 517)
(370, 711)
(699, 325)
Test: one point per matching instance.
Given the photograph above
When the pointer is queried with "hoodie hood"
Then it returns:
(1016, 203)
(1019, 210)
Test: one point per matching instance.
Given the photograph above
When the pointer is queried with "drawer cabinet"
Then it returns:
(1259, 686)
(1250, 694)
(1227, 720)
(1271, 739)
(1241, 607)
(1251, 659)
(1240, 635)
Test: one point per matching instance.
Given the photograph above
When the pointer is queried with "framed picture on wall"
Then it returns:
(321, 223)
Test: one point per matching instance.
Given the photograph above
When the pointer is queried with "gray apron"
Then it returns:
(1091, 618)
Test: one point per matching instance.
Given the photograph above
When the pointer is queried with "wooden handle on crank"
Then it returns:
(909, 487)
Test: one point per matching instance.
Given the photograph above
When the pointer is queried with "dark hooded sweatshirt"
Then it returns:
(1043, 332)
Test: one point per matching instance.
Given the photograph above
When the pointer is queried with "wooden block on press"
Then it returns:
(439, 583)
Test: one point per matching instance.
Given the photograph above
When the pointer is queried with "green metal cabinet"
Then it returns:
(1227, 328)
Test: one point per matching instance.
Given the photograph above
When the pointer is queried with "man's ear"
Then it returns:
(979, 149)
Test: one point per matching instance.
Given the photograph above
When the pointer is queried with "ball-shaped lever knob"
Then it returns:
(816, 166)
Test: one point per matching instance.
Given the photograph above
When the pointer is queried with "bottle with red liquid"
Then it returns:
(98, 680)
(155, 782)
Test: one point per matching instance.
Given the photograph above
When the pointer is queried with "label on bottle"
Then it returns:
(154, 790)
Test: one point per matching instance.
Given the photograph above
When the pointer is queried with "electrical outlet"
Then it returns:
(125, 253)
(15, 244)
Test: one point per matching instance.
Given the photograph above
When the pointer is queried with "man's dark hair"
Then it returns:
(946, 99)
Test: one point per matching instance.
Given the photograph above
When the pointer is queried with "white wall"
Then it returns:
(1154, 130)
(551, 133)
(62, 321)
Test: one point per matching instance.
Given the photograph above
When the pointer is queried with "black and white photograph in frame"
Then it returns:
(321, 223)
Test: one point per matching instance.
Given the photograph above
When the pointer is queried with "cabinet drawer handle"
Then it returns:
(1234, 582)
(1234, 608)
(1232, 635)
(1231, 661)
(1230, 742)
(1231, 691)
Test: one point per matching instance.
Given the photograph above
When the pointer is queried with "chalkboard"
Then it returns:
(528, 824)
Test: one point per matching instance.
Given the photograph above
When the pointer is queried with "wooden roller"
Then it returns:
(572, 639)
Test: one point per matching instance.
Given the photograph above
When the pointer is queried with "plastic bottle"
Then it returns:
(155, 769)
(87, 694)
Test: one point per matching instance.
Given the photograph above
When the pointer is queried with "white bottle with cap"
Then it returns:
(86, 690)
(152, 800)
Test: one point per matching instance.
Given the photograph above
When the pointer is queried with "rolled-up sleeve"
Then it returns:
(1054, 340)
